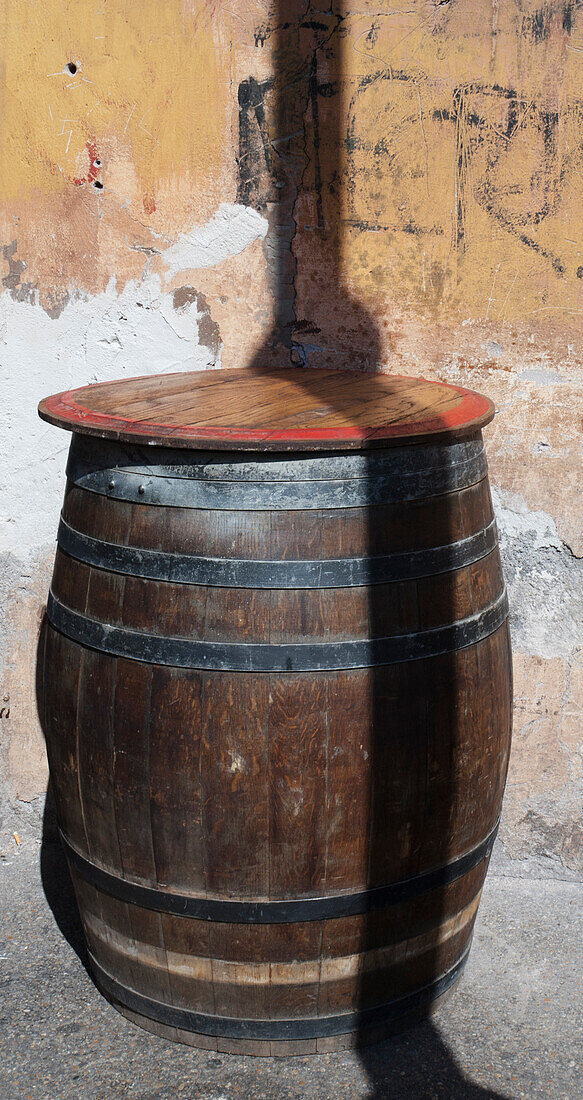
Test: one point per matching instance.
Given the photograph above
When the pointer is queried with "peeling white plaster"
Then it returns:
(544, 579)
(542, 377)
(95, 339)
(516, 520)
(229, 232)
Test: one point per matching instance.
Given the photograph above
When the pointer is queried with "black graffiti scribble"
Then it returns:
(538, 24)
(485, 143)
(474, 133)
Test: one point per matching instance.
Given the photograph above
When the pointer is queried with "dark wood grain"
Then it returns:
(62, 667)
(131, 775)
(278, 616)
(175, 778)
(235, 784)
(95, 725)
(350, 747)
(298, 749)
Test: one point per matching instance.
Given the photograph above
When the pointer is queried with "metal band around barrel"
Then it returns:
(159, 485)
(263, 657)
(279, 912)
(230, 573)
(311, 1027)
(89, 454)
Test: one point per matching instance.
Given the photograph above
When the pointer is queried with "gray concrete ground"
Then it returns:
(512, 1029)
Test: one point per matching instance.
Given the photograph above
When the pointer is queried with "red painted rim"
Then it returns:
(64, 410)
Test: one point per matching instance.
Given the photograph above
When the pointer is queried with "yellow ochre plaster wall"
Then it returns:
(128, 142)
(463, 129)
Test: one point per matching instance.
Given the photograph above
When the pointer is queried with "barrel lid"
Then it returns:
(277, 410)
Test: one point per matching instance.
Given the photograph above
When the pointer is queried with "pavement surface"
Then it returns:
(512, 1030)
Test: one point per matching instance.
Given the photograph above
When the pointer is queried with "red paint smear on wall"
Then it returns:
(94, 166)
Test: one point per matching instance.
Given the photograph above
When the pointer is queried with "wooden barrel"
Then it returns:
(277, 698)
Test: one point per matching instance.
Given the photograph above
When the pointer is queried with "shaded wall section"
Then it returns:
(139, 156)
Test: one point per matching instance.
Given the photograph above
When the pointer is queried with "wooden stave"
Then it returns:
(113, 582)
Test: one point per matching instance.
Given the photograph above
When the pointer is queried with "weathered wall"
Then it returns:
(193, 184)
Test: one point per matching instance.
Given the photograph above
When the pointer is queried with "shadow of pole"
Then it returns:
(418, 808)
(294, 172)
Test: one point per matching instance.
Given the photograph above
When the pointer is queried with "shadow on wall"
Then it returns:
(57, 884)
(419, 806)
(55, 877)
(292, 167)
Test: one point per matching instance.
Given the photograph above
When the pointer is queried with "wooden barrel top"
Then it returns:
(277, 410)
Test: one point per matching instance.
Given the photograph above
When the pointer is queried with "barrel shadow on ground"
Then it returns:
(417, 1064)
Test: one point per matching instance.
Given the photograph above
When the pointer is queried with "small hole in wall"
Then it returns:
(98, 185)
(71, 67)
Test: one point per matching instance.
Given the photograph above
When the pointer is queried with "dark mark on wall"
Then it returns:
(308, 328)
(382, 227)
(371, 38)
(255, 150)
(209, 335)
(19, 291)
(313, 96)
(183, 297)
(15, 267)
(538, 25)
(504, 220)
(462, 165)
(55, 301)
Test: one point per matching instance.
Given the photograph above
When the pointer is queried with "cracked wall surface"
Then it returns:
(200, 184)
